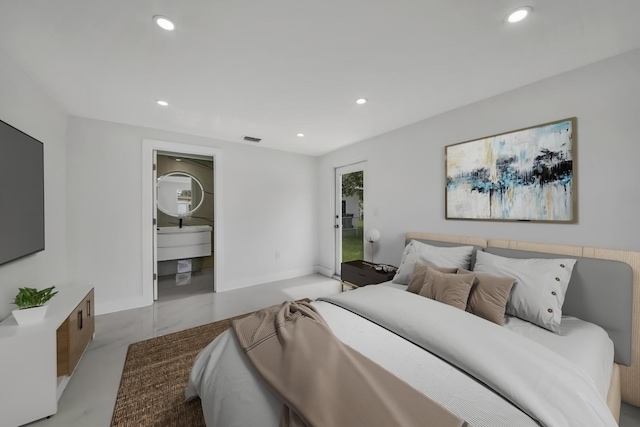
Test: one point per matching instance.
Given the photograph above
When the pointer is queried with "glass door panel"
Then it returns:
(349, 214)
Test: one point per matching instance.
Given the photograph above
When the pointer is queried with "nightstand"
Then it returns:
(360, 273)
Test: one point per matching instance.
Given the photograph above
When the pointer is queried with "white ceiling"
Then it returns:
(272, 69)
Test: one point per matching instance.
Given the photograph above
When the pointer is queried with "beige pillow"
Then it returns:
(419, 271)
(452, 289)
(489, 296)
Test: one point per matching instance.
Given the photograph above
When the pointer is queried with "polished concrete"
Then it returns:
(90, 396)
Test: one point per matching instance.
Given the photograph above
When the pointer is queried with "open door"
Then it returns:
(151, 151)
(154, 233)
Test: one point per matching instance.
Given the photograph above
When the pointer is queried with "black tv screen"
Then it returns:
(22, 194)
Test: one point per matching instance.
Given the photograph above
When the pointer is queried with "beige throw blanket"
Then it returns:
(323, 382)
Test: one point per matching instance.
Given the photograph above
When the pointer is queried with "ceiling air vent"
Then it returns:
(252, 139)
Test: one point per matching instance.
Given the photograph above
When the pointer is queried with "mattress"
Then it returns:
(461, 394)
(585, 344)
(232, 396)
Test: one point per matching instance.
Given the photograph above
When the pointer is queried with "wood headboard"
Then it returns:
(630, 375)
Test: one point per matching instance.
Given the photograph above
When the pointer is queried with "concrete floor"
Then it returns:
(90, 396)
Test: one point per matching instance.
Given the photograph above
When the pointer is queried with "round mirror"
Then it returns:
(179, 194)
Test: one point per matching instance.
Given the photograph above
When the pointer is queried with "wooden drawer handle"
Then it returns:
(80, 320)
(88, 308)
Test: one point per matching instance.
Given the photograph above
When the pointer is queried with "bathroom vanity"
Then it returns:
(184, 242)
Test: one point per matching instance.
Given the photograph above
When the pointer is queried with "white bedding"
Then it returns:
(585, 344)
(443, 383)
(221, 369)
(231, 395)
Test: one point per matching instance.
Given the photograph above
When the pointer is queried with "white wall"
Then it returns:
(26, 107)
(269, 206)
(405, 170)
(280, 202)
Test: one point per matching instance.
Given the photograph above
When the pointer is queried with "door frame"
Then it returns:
(149, 146)
(339, 171)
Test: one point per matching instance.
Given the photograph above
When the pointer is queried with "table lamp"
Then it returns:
(372, 236)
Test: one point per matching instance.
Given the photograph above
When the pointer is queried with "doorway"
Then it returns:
(184, 225)
(349, 215)
(186, 204)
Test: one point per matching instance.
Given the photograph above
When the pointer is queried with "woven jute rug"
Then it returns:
(155, 376)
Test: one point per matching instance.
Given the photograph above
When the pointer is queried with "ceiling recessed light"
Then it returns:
(361, 101)
(164, 22)
(301, 135)
(519, 14)
(161, 102)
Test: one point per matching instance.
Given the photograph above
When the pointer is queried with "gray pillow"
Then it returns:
(540, 287)
(451, 257)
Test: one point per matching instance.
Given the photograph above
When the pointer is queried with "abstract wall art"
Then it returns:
(523, 175)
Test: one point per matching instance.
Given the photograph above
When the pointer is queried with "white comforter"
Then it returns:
(545, 385)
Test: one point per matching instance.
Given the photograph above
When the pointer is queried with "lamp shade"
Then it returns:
(372, 235)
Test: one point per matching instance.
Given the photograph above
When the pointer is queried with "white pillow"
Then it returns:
(540, 287)
(456, 256)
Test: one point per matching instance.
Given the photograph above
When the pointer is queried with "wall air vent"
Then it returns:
(252, 139)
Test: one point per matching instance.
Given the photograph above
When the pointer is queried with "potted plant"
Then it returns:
(31, 304)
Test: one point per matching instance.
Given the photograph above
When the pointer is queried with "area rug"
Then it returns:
(155, 376)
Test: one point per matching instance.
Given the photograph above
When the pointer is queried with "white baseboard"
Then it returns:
(229, 285)
(106, 307)
(325, 271)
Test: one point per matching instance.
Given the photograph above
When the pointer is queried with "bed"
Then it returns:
(513, 374)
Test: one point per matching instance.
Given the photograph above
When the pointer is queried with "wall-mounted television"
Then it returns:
(21, 194)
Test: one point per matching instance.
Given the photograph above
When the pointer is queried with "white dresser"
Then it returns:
(37, 361)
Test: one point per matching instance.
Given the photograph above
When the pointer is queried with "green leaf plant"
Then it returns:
(31, 297)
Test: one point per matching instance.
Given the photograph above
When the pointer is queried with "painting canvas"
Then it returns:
(524, 175)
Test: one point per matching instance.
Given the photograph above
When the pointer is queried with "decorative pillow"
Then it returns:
(457, 256)
(452, 289)
(540, 287)
(419, 271)
(489, 296)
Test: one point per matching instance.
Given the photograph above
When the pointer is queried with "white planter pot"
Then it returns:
(29, 316)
